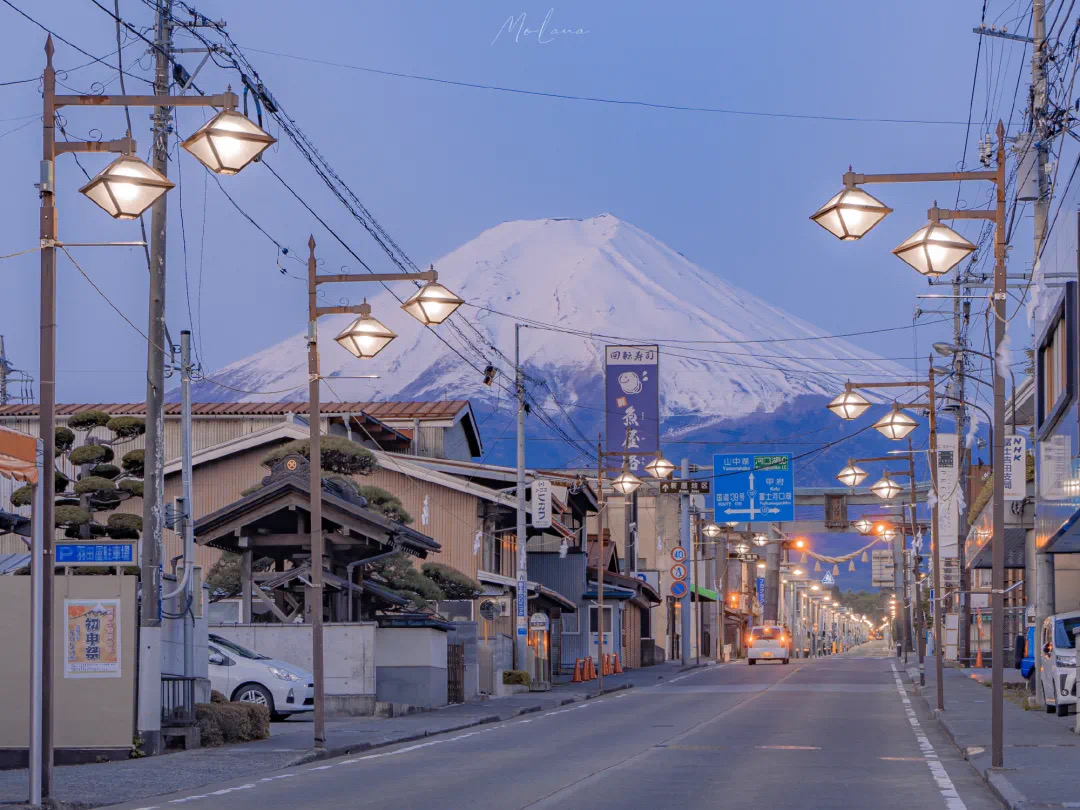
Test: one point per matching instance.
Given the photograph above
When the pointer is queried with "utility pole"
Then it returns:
(149, 687)
(1043, 591)
(188, 522)
(599, 566)
(963, 640)
(313, 597)
(522, 595)
(685, 542)
(771, 607)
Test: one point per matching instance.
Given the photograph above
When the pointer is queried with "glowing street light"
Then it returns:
(712, 530)
(852, 475)
(886, 488)
(934, 249)
(126, 187)
(228, 142)
(660, 467)
(895, 424)
(625, 483)
(850, 214)
(863, 526)
(849, 405)
(760, 540)
(365, 337)
(433, 303)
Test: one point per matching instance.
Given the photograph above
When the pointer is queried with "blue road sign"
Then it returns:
(828, 579)
(760, 582)
(754, 488)
(678, 589)
(95, 553)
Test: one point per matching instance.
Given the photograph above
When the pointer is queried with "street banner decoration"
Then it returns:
(760, 585)
(632, 402)
(541, 503)
(1015, 478)
(948, 492)
(92, 640)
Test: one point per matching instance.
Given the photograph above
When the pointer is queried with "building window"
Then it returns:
(607, 619)
(1056, 358)
(570, 624)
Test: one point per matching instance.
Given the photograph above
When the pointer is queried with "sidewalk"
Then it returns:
(1041, 753)
(84, 786)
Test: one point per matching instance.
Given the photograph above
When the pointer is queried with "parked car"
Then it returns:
(245, 675)
(767, 642)
(1058, 672)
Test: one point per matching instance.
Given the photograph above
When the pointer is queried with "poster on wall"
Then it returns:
(948, 480)
(632, 402)
(92, 638)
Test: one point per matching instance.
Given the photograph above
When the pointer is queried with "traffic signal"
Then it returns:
(795, 544)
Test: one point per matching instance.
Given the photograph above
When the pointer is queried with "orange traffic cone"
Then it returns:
(589, 669)
(577, 671)
(592, 669)
(618, 666)
(610, 666)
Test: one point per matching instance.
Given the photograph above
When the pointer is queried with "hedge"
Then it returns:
(71, 516)
(88, 454)
(225, 723)
(88, 420)
(515, 677)
(131, 485)
(93, 484)
(132, 462)
(338, 455)
(109, 471)
(127, 427)
(63, 439)
(124, 526)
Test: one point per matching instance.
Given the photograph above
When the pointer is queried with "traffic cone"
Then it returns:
(577, 671)
(605, 665)
(590, 669)
(618, 666)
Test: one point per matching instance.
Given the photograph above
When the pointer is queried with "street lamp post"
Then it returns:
(932, 251)
(124, 189)
(363, 338)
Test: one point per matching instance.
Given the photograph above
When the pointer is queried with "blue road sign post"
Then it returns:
(754, 488)
(95, 553)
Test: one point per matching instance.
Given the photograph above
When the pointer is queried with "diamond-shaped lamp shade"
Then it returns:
(712, 530)
(432, 304)
(365, 337)
(126, 187)
(849, 405)
(934, 249)
(863, 526)
(625, 483)
(895, 424)
(760, 540)
(886, 488)
(851, 475)
(850, 214)
(228, 142)
(660, 467)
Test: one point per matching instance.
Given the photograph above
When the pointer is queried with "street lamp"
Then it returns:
(625, 483)
(886, 488)
(660, 467)
(228, 142)
(863, 526)
(895, 424)
(851, 214)
(851, 475)
(741, 548)
(126, 187)
(365, 337)
(849, 405)
(712, 530)
(934, 249)
(433, 303)
(760, 540)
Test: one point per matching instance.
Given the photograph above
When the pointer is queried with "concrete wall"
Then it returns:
(411, 666)
(349, 657)
(90, 713)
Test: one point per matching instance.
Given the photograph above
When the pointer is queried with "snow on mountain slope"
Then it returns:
(604, 280)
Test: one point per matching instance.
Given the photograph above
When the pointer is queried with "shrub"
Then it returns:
(127, 427)
(385, 503)
(63, 439)
(92, 484)
(132, 486)
(88, 420)
(88, 454)
(22, 496)
(225, 723)
(109, 471)
(61, 481)
(515, 677)
(338, 455)
(408, 582)
(71, 516)
(453, 583)
(132, 462)
(123, 526)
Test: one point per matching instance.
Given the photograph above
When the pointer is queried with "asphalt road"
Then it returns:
(837, 732)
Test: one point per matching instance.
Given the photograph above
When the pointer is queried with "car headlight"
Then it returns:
(1066, 660)
(284, 674)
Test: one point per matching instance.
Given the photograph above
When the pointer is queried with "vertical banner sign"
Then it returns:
(632, 401)
(92, 638)
(1015, 468)
(760, 582)
(541, 503)
(948, 487)
(521, 618)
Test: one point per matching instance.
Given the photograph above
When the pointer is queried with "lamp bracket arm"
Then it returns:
(936, 213)
(349, 310)
(852, 179)
(124, 146)
(228, 100)
(897, 384)
(349, 278)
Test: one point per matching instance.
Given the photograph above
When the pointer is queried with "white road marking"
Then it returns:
(937, 770)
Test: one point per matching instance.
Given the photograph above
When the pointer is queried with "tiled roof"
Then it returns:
(442, 409)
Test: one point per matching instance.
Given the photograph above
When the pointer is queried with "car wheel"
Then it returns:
(751, 661)
(1050, 708)
(254, 693)
(1062, 709)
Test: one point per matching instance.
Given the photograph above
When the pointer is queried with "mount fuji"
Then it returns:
(734, 369)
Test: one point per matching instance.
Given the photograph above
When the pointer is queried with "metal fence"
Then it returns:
(177, 701)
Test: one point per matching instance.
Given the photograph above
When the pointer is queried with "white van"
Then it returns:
(767, 642)
(1058, 670)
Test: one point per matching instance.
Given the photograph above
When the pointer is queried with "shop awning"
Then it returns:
(703, 594)
(18, 456)
(610, 591)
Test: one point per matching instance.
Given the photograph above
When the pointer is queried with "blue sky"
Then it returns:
(438, 164)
